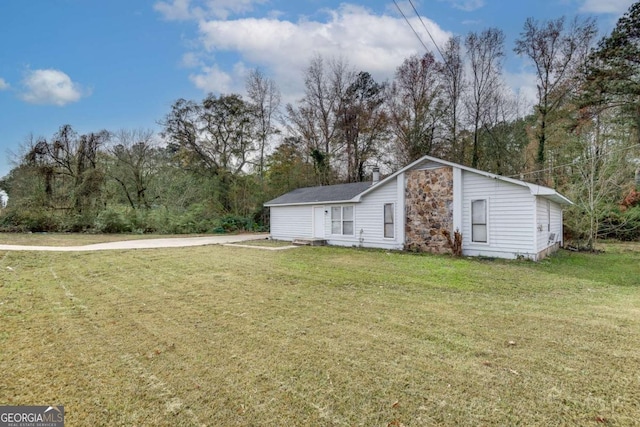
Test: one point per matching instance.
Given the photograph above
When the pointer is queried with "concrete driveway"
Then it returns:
(174, 242)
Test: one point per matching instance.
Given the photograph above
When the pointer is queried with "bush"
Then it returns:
(621, 225)
(77, 223)
(234, 223)
(34, 220)
(196, 219)
(112, 221)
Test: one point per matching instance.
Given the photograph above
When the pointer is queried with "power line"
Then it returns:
(428, 32)
(573, 163)
(411, 26)
(446, 62)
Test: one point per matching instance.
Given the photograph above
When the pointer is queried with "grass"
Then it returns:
(321, 336)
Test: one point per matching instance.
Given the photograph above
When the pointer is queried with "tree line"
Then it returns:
(217, 160)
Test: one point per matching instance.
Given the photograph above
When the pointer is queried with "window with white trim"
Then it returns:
(479, 221)
(389, 226)
(342, 220)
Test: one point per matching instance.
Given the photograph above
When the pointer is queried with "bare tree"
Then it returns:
(556, 51)
(264, 101)
(416, 107)
(486, 53)
(314, 120)
(600, 170)
(454, 85)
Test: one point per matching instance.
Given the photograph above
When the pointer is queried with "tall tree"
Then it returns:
(314, 120)
(215, 137)
(133, 165)
(504, 140)
(454, 85)
(601, 170)
(605, 130)
(69, 166)
(416, 107)
(288, 168)
(264, 101)
(614, 75)
(486, 53)
(363, 124)
(557, 51)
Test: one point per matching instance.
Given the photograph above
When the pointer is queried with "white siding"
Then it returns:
(510, 216)
(369, 220)
(556, 222)
(291, 222)
(542, 230)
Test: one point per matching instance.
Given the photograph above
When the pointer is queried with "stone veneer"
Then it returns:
(429, 208)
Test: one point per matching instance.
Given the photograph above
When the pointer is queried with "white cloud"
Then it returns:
(191, 60)
(467, 5)
(373, 43)
(51, 87)
(3, 84)
(524, 87)
(182, 10)
(608, 6)
(212, 79)
(176, 10)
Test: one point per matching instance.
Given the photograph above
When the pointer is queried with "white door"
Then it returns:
(318, 222)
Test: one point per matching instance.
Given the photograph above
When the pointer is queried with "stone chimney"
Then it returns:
(376, 175)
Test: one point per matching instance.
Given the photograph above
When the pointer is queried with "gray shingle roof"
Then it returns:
(325, 193)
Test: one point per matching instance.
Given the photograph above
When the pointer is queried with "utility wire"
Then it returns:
(427, 30)
(446, 62)
(572, 163)
(411, 26)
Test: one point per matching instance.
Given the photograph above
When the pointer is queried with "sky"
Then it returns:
(120, 64)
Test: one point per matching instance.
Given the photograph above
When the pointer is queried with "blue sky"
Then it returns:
(120, 64)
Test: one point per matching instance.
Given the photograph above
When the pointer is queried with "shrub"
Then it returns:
(232, 223)
(34, 220)
(112, 221)
(621, 225)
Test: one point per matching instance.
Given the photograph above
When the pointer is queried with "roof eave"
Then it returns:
(317, 202)
(548, 193)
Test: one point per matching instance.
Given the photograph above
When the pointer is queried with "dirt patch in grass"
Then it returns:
(318, 336)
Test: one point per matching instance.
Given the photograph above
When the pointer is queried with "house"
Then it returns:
(410, 209)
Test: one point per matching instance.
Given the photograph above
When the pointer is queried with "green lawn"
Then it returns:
(226, 336)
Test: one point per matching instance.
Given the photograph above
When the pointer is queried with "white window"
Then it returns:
(479, 221)
(342, 220)
(388, 221)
